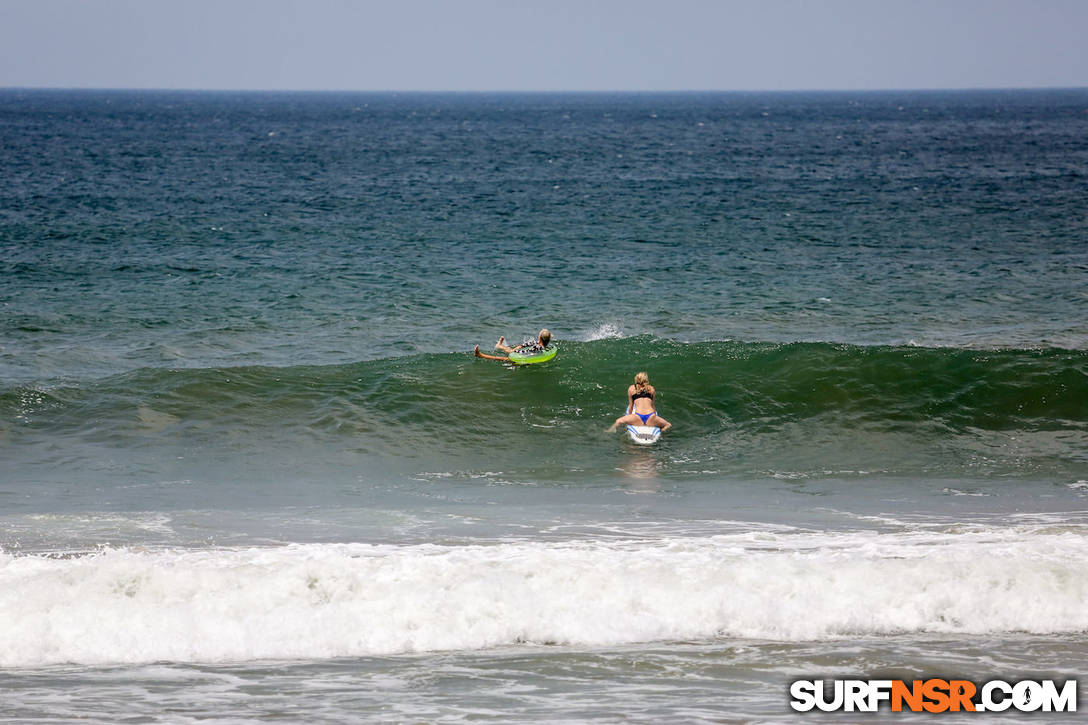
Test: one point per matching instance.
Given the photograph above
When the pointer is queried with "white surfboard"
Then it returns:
(644, 435)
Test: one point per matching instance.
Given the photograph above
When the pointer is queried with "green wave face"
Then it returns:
(742, 406)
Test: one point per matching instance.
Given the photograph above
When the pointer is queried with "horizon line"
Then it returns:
(905, 89)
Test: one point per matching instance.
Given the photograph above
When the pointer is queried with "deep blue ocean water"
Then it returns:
(250, 469)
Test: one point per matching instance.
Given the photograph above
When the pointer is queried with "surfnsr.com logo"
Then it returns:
(933, 695)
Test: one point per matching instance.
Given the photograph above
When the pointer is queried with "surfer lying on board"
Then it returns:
(640, 406)
(529, 347)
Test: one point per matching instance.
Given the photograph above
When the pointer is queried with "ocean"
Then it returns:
(251, 471)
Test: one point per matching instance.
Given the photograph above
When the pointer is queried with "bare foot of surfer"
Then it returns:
(500, 343)
(477, 353)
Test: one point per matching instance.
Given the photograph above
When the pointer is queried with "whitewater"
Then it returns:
(352, 600)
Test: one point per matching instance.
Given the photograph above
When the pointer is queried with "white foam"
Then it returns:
(606, 331)
(317, 601)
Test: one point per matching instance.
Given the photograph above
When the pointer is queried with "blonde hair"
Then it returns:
(642, 380)
(545, 337)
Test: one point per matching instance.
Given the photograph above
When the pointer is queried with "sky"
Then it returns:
(531, 45)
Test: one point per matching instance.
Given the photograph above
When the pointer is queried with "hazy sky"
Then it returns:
(536, 45)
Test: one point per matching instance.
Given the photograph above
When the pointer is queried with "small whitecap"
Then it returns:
(605, 331)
